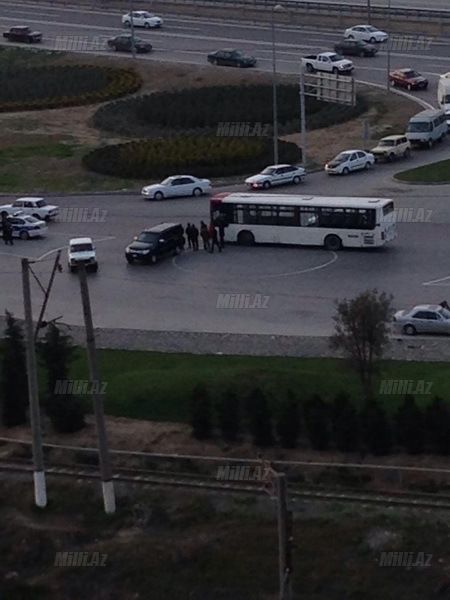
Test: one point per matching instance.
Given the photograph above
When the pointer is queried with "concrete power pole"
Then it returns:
(40, 489)
(109, 498)
(284, 539)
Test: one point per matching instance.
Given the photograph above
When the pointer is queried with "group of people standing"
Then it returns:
(7, 229)
(209, 236)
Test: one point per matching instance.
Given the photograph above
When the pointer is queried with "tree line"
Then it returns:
(55, 353)
(319, 425)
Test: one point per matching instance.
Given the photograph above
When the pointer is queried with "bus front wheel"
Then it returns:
(332, 242)
(246, 238)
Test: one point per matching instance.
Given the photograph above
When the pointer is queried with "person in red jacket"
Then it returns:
(213, 239)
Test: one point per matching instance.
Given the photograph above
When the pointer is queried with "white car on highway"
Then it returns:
(176, 186)
(366, 33)
(350, 160)
(142, 18)
(82, 251)
(34, 207)
(426, 318)
(276, 175)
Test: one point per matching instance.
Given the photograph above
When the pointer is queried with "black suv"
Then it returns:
(156, 242)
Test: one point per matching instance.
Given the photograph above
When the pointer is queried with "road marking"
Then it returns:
(437, 282)
(289, 274)
(110, 237)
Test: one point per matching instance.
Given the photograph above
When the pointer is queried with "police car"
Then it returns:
(25, 227)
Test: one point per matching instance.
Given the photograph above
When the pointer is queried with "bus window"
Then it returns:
(308, 218)
(287, 216)
(247, 214)
(267, 215)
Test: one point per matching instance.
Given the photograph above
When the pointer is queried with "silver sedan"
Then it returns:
(176, 186)
(426, 318)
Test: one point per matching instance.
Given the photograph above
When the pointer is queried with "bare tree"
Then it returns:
(362, 330)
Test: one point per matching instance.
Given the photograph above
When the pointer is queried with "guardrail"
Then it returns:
(303, 6)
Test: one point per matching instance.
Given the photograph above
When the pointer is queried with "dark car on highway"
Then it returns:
(156, 242)
(355, 48)
(231, 58)
(409, 79)
(124, 43)
(24, 34)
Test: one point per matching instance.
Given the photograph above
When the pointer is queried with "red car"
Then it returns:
(409, 79)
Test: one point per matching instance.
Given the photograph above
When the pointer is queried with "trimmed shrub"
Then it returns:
(205, 157)
(200, 111)
(63, 85)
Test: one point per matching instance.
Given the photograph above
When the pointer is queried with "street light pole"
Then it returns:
(133, 46)
(369, 11)
(274, 93)
(388, 42)
(277, 7)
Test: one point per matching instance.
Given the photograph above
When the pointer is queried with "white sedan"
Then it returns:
(426, 318)
(350, 160)
(177, 185)
(366, 33)
(276, 175)
(141, 18)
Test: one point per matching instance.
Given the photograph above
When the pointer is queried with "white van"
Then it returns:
(427, 127)
(443, 95)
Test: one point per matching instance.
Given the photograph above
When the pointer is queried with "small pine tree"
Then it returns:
(229, 416)
(376, 429)
(14, 375)
(288, 422)
(201, 418)
(66, 412)
(410, 426)
(437, 422)
(260, 424)
(345, 424)
(317, 423)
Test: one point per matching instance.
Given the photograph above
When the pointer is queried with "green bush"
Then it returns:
(58, 86)
(205, 157)
(198, 111)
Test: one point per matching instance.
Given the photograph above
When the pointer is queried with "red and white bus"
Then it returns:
(332, 222)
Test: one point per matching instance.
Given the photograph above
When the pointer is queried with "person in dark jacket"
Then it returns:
(213, 239)
(7, 229)
(195, 233)
(188, 232)
(221, 223)
(204, 235)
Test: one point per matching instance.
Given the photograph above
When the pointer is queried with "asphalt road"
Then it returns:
(188, 40)
(300, 283)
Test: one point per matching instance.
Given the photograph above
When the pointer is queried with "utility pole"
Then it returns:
(303, 116)
(56, 266)
(284, 539)
(388, 42)
(109, 498)
(369, 13)
(40, 489)
(133, 45)
(274, 93)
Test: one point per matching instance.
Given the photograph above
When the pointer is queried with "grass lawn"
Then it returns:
(156, 386)
(438, 172)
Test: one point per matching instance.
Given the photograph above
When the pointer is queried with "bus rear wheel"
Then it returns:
(333, 243)
(246, 238)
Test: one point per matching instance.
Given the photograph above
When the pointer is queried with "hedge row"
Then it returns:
(199, 111)
(205, 157)
(59, 86)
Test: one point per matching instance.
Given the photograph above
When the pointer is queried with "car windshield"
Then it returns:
(335, 57)
(446, 99)
(411, 74)
(386, 143)
(372, 29)
(147, 237)
(418, 127)
(146, 15)
(41, 203)
(268, 171)
(342, 157)
(444, 313)
(167, 181)
(81, 248)
(238, 54)
(30, 219)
